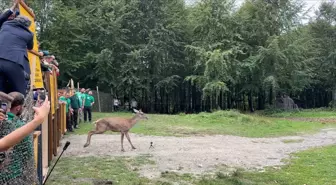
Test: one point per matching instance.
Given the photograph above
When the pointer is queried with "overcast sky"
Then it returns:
(309, 3)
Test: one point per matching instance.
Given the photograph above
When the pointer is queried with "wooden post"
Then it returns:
(50, 121)
(98, 99)
(36, 135)
(45, 157)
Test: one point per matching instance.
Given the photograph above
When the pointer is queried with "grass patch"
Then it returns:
(314, 167)
(292, 140)
(87, 170)
(221, 122)
(306, 113)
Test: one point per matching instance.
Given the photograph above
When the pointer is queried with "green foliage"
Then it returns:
(152, 49)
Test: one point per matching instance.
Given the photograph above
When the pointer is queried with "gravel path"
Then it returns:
(200, 154)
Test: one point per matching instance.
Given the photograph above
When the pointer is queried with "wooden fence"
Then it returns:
(47, 137)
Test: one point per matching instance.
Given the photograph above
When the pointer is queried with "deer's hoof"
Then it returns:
(133, 148)
(122, 150)
(86, 145)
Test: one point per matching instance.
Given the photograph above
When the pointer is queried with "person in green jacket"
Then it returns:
(17, 166)
(81, 96)
(88, 103)
(65, 99)
(74, 107)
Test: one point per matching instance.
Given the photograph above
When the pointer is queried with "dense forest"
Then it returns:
(175, 57)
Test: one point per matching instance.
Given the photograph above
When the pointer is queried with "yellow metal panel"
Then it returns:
(52, 93)
(34, 60)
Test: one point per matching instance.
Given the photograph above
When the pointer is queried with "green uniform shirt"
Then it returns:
(74, 102)
(67, 102)
(88, 100)
(81, 97)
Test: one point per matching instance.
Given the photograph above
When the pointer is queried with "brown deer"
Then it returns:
(116, 124)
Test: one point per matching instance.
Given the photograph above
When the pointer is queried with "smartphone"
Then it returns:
(4, 107)
(42, 97)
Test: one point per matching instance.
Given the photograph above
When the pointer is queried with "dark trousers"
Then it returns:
(87, 112)
(68, 122)
(116, 108)
(75, 118)
(12, 77)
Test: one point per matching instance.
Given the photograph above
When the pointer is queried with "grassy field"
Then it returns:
(307, 113)
(313, 167)
(221, 122)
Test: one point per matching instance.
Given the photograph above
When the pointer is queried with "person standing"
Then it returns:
(15, 39)
(17, 162)
(66, 100)
(116, 104)
(88, 103)
(74, 106)
(81, 96)
(134, 104)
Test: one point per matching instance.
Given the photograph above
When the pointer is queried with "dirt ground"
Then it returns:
(200, 154)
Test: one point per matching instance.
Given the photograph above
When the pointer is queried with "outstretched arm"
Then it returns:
(4, 17)
(19, 134)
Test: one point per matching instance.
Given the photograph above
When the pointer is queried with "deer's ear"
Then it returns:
(136, 111)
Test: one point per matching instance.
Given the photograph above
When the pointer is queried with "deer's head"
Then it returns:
(140, 114)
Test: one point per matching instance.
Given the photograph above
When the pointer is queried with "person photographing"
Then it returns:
(13, 138)
(16, 142)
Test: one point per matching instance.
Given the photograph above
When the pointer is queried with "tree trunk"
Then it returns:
(250, 101)
(333, 102)
(270, 101)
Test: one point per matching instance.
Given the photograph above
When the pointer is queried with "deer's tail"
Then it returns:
(95, 123)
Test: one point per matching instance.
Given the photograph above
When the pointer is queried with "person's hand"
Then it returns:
(2, 116)
(42, 112)
(15, 5)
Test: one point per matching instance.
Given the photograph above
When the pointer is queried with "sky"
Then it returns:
(313, 4)
(309, 3)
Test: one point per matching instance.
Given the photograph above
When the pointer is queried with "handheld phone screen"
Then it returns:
(4, 107)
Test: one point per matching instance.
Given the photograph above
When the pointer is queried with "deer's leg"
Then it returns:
(90, 134)
(129, 140)
(122, 142)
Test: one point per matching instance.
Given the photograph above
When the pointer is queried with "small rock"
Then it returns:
(200, 165)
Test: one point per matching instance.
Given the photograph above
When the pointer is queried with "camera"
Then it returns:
(5, 101)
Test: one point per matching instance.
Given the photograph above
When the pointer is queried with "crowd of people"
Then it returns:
(78, 107)
(16, 149)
